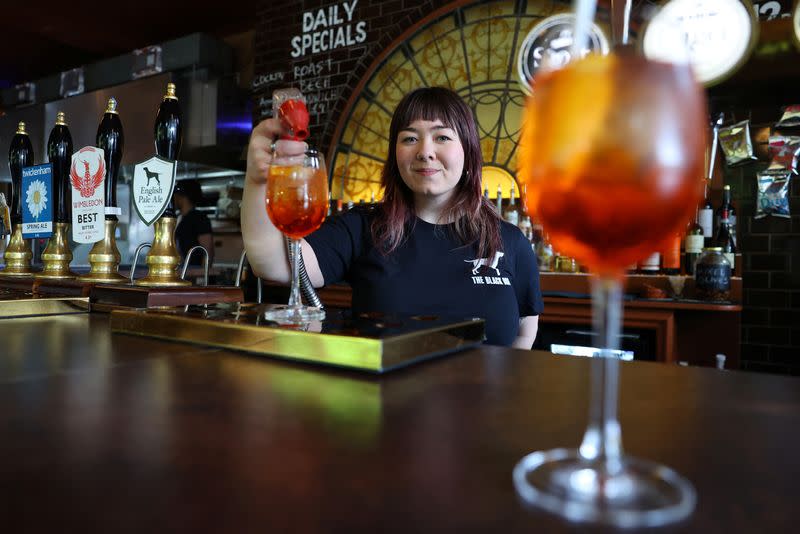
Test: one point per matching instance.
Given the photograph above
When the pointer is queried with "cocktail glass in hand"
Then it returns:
(297, 202)
(610, 152)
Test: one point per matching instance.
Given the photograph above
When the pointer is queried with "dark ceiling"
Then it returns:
(39, 38)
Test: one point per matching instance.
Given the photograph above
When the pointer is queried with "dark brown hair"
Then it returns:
(475, 219)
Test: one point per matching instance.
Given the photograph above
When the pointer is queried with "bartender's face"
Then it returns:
(430, 158)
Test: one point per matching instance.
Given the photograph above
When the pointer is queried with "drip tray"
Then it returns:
(368, 342)
(16, 303)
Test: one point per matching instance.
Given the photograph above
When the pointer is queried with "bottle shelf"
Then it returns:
(645, 286)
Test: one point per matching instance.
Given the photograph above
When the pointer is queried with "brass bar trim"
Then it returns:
(16, 308)
(375, 355)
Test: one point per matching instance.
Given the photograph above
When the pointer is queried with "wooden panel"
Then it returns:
(662, 322)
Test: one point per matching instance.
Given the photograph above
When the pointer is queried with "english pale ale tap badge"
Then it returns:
(548, 43)
(151, 191)
(87, 176)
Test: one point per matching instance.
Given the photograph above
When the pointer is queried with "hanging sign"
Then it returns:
(549, 43)
(87, 176)
(716, 36)
(151, 188)
(37, 201)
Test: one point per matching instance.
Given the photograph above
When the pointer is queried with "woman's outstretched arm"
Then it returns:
(265, 246)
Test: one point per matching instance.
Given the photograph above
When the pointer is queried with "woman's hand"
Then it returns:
(260, 151)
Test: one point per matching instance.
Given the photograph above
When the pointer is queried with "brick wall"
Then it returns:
(771, 278)
(770, 333)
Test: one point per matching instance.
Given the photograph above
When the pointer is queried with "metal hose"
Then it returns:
(305, 282)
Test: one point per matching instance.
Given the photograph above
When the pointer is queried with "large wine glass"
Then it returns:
(611, 151)
(297, 202)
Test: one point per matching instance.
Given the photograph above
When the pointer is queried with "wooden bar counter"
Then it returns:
(103, 432)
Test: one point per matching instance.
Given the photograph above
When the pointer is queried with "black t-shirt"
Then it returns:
(432, 273)
(191, 225)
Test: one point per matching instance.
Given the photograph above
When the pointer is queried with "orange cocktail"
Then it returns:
(611, 151)
(297, 199)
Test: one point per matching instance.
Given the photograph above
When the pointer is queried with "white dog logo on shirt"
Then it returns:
(478, 262)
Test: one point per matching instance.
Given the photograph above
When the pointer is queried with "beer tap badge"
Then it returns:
(151, 189)
(87, 175)
(36, 196)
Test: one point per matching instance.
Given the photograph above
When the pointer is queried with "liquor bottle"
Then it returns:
(537, 230)
(671, 256)
(693, 244)
(523, 208)
(111, 139)
(499, 200)
(526, 227)
(511, 213)
(724, 239)
(726, 204)
(168, 131)
(20, 155)
(59, 153)
(651, 264)
(544, 253)
(705, 217)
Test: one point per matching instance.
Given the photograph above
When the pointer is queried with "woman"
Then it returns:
(193, 228)
(434, 246)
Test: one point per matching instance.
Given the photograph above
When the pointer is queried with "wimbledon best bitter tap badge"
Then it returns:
(36, 196)
(151, 189)
(87, 176)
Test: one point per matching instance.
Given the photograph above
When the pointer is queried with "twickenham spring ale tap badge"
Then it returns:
(151, 189)
(87, 177)
(37, 201)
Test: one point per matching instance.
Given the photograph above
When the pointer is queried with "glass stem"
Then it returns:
(295, 300)
(603, 439)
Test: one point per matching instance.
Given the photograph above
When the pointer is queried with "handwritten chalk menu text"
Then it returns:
(329, 28)
(316, 56)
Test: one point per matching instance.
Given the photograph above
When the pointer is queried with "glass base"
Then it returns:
(638, 493)
(294, 314)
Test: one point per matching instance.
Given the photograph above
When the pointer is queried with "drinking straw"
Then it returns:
(584, 16)
(620, 21)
